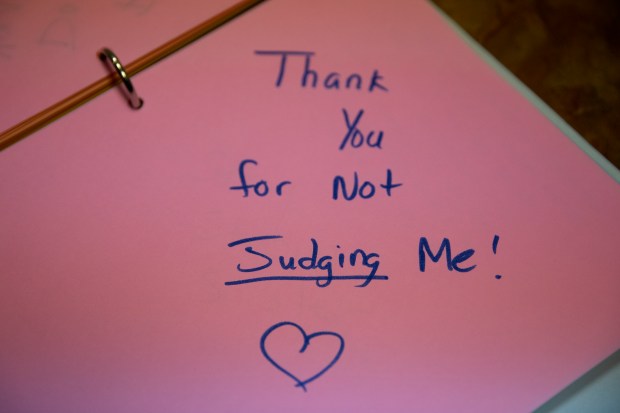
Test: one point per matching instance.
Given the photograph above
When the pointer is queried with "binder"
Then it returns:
(321, 206)
(84, 95)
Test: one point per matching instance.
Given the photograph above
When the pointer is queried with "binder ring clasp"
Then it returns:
(107, 55)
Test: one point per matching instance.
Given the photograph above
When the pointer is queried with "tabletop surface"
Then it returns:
(567, 52)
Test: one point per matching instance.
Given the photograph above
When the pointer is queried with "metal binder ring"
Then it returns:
(107, 55)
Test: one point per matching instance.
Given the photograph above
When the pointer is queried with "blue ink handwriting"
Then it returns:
(366, 190)
(452, 263)
(495, 242)
(355, 137)
(312, 262)
(307, 340)
(311, 78)
(261, 188)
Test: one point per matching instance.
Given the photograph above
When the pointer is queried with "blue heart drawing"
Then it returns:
(307, 338)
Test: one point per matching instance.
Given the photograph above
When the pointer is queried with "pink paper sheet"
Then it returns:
(122, 231)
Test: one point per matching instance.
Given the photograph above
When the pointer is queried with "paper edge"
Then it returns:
(532, 97)
(612, 362)
(587, 389)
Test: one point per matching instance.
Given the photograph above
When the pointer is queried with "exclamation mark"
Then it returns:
(495, 242)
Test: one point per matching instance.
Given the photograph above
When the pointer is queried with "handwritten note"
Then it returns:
(323, 206)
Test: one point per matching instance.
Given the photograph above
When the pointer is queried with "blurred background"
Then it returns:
(566, 51)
